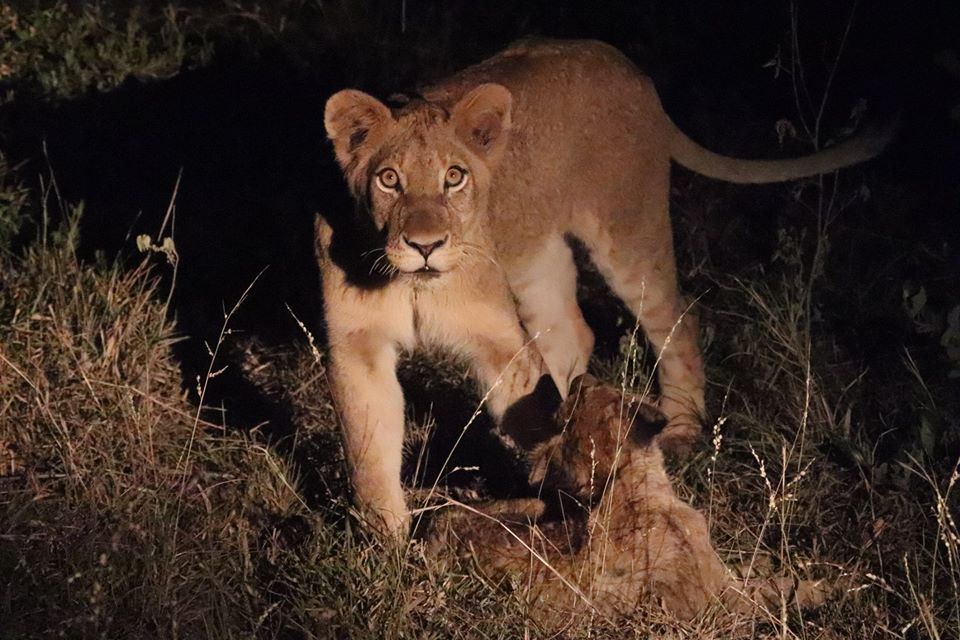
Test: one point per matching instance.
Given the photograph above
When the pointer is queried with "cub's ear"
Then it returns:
(354, 122)
(530, 420)
(648, 421)
(482, 120)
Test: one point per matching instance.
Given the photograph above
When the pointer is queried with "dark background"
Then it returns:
(246, 134)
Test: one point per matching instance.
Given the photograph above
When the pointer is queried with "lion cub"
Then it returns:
(638, 540)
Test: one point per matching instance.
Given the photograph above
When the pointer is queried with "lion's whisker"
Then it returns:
(374, 250)
(471, 249)
(380, 266)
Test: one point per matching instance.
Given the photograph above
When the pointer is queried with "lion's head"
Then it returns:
(601, 425)
(422, 170)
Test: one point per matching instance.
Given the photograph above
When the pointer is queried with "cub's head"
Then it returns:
(422, 170)
(602, 428)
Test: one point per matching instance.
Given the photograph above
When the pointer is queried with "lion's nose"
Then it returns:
(425, 248)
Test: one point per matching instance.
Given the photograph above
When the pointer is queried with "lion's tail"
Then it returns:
(705, 162)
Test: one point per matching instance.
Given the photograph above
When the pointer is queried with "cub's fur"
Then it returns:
(465, 195)
(638, 541)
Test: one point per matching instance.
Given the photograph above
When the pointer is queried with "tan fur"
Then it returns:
(640, 541)
(556, 138)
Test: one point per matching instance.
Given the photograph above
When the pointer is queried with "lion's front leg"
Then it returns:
(513, 377)
(370, 403)
(507, 366)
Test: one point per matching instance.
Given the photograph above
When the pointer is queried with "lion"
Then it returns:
(625, 540)
(466, 195)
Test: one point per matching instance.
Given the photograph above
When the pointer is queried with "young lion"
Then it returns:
(638, 541)
(465, 196)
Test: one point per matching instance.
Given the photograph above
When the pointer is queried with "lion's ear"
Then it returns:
(354, 121)
(323, 234)
(482, 119)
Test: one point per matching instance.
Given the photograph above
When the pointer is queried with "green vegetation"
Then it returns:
(60, 53)
(127, 512)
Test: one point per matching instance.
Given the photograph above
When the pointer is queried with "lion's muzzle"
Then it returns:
(424, 241)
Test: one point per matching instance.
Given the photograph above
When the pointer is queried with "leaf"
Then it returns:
(784, 128)
(914, 304)
(929, 434)
(950, 340)
(776, 62)
(858, 110)
(144, 242)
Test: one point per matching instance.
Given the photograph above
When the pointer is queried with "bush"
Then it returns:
(124, 515)
(57, 53)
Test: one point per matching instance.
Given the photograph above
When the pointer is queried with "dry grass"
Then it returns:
(776, 502)
(780, 494)
(123, 514)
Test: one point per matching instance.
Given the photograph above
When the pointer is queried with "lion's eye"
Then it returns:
(455, 178)
(388, 180)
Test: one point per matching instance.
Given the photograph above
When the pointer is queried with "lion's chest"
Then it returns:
(448, 312)
(416, 315)
(432, 323)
